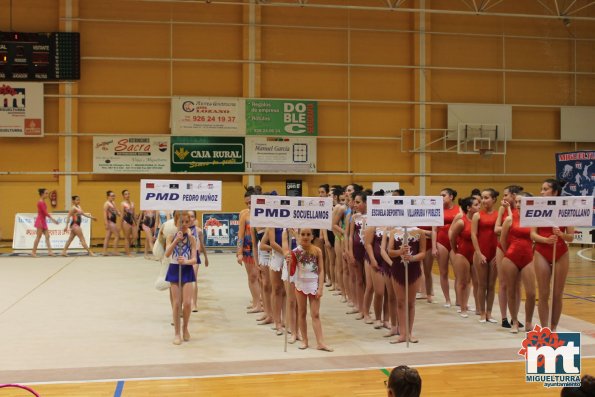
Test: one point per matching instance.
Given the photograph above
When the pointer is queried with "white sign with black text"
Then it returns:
(291, 212)
(405, 211)
(556, 211)
(159, 194)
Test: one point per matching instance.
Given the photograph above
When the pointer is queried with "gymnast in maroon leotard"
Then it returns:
(357, 251)
(462, 246)
(441, 247)
(517, 266)
(545, 239)
(485, 242)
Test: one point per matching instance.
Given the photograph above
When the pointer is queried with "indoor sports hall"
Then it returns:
(426, 96)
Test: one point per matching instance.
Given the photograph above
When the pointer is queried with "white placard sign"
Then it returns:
(131, 154)
(24, 232)
(21, 109)
(296, 212)
(208, 116)
(556, 211)
(584, 235)
(405, 211)
(280, 154)
(159, 194)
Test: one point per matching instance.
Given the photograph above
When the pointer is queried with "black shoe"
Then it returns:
(521, 325)
(505, 323)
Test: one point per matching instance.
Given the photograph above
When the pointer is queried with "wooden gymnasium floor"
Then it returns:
(82, 326)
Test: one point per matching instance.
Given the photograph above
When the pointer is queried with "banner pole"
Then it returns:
(180, 308)
(552, 281)
(406, 264)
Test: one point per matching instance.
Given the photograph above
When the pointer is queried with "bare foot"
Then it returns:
(265, 321)
(186, 335)
(292, 340)
(390, 333)
(368, 320)
(63, 253)
(359, 317)
(91, 253)
(254, 310)
(34, 255)
(279, 331)
(51, 254)
(261, 318)
(378, 324)
(177, 340)
(352, 311)
(303, 346)
(400, 339)
(325, 348)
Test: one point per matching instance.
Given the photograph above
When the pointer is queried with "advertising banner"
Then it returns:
(405, 211)
(584, 235)
(556, 211)
(281, 117)
(207, 116)
(207, 154)
(131, 154)
(159, 194)
(21, 109)
(296, 212)
(221, 229)
(24, 232)
(577, 169)
(280, 154)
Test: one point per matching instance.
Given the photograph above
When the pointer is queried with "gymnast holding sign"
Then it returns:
(546, 238)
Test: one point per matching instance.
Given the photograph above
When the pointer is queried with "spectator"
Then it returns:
(587, 388)
(404, 382)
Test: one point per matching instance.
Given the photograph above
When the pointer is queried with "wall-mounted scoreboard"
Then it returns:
(40, 56)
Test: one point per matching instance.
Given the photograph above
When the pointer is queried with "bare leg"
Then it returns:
(392, 305)
(303, 322)
(175, 295)
(490, 293)
(330, 261)
(427, 264)
(278, 291)
(316, 323)
(79, 233)
(443, 267)
(368, 292)
(543, 272)
(254, 286)
(462, 270)
(292, 311)
(127, 229)
(67, 244)
(378, 284)
(482, 284)
(528, 277)
(338, 265)
(401, 312)
(510, 272)
(359, 287)
(194, 303)
(266, 289)
(187, 290)
(560, 281)
(502, 289)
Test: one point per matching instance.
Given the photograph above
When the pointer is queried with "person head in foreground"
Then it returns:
(587, 388)
(404, 382)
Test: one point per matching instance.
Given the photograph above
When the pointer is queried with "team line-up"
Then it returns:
(365, 265)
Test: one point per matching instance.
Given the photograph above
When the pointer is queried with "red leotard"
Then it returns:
(449, 216)
(464, 243)
(505, 217)
(547, 250)
(486, 236)
(520, 249)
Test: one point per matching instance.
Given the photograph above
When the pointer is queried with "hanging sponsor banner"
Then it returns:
(24, 232)
(280, 154)
(556, 211)
(577, 169)
(293, 188)
(131, 154)
(584, 235)
(207, 116)
(21, 109)
(281, 117)
(207, 154)
(221, 229)
(405, 211)
(159, 194)
(297, 212)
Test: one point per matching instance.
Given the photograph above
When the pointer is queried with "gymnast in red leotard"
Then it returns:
(506, 209)
(441, 244)
(485, 242)
(545, 238)
(517, 265)
(462, 247)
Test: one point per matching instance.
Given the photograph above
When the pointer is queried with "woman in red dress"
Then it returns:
(517, 266)
(485, 242)
(41, 223)
(441, 244)
(545, 238)
(462, 247)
